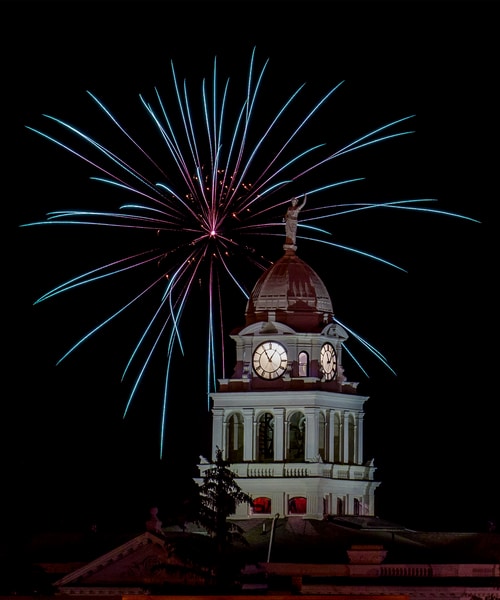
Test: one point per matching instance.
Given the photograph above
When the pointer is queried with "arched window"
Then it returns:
(235, 438)
(266, 437)
(297, 505)
(296, 435)
(262, 505)
(303, 364)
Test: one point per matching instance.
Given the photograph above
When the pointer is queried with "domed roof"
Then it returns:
(290, 292)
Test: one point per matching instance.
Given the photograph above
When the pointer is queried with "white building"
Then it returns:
(287, 420)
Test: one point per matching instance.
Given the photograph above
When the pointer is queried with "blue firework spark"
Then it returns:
(220, 187)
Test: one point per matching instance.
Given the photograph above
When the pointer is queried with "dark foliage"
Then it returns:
(219, 497)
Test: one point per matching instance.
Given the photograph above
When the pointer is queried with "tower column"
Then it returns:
(311, 450)
(248, 434)
(279, 434)
(218, 437)
(359, 439)
(345, 440)
(341, 438)
(355, 441)
(331, 436)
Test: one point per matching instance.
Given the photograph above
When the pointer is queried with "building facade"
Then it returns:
(288, 421)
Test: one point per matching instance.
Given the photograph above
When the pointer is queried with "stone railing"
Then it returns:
(302, 469)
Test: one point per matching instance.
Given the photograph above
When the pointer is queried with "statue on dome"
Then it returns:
(290, 220)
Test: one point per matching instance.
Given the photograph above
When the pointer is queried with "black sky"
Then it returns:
(69, 457)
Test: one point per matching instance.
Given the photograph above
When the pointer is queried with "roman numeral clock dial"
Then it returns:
(270, 360)
(328, 360)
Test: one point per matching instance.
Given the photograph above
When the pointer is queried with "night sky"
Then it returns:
(69, 459)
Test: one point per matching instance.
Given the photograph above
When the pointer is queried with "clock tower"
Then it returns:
(287, 420)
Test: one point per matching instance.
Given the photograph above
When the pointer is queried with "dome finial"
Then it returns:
(290, 220)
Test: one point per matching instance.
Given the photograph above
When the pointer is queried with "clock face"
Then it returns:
(328, 359)
(270, 360)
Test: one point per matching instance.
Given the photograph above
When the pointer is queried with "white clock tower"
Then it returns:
(287, 420)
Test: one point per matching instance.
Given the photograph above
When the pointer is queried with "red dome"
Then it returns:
(292, 293)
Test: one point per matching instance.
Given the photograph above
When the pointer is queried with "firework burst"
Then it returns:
(221, 185)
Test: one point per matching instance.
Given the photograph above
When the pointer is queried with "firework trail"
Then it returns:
(220, 186)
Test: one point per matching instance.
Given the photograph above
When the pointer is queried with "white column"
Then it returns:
(248, 434)
(331, 436)
(341, 438)
(218, 438)
(359, 440)
(279, 437)
(355, 441)
(345, 436)
(311, 449)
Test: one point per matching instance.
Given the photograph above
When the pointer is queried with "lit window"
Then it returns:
(262, 506)
(303, 364)
(297, 505)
